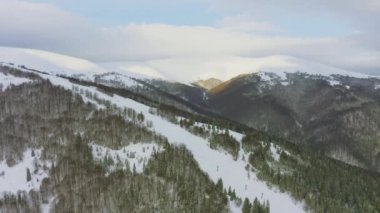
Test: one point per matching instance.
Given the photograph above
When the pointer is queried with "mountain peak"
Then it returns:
(208, 84)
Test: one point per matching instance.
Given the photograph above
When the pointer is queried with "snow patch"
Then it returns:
(334, 82)
(274, 150)
(45, 207)
(126, 158)
(13, 179)
(8, 80)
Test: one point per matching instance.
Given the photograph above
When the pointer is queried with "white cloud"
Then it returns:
(179, 52)
(245, 23)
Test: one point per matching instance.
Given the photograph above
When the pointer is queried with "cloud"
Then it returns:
(238, 43)
(246, 24)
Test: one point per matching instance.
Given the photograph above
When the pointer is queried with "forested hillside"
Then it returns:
(58, 130)
(333, 114)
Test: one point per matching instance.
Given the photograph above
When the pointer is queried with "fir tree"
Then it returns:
(246, 206)
(28, 175)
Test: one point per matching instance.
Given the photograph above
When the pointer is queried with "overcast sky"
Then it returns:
(201, 38)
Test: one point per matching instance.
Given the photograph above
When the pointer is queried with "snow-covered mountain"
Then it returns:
(54, 63)
(49, 62)
(58, 64)
(130, 138)
(216, 164)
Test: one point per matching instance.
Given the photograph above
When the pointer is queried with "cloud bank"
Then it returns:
(235, 45)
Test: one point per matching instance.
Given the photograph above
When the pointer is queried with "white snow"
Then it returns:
(45, 207)
(50, 62)
(13, 179)
(125, 81)
(285, 83)
(311, 68)
(133, 70)
(377, 86)
(334, 82)
(274, 150)
(132, 155)
(7, 80)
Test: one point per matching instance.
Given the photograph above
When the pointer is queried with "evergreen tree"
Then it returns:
(246, 206)
(219, 185)
(28, 175)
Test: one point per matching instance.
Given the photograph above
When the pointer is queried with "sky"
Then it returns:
(189, 40)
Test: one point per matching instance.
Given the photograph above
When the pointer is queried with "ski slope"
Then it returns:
(215, 163)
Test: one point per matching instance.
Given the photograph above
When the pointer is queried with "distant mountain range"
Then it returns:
(78, 137)
(337, 114)
(330, 110)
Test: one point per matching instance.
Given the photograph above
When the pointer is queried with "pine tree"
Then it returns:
(134, 169)
(28, 175)
(246, 206)
(219, 185)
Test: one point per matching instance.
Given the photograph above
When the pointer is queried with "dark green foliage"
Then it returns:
(258, 207)
(188, 124)
(324, 184)
(172, 182)
(226, 142)
(246, 206)
(187, 178)
(255, 207)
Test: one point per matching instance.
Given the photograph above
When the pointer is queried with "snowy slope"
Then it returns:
(13, 179)
(215, 163)
(311, 68)
(49, 62)
(118, 80)
(7, 80)
(57, 64)
(133, 70)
